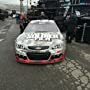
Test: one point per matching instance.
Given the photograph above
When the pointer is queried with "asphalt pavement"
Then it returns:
(71, 74)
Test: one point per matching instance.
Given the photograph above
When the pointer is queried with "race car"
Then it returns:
(40, 43)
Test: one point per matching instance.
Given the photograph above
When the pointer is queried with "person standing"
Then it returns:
(43, 16)
(71, 23)
(17, 18)
(21, 23)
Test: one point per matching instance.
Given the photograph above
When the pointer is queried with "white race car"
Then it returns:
(40, 43)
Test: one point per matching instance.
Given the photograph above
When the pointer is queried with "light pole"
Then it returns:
(30, 2)
(21, 6)
(27, 5)
(79, 2)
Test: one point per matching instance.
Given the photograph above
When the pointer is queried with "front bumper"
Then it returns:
(52, 59)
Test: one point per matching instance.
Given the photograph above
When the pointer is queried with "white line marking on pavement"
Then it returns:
(5, 25)
(2, 32)
(1, 40)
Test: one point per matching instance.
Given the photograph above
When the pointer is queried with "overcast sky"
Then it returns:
(16, 1)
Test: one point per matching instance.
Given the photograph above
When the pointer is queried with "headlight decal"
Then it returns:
(20, 46)
(57, 46)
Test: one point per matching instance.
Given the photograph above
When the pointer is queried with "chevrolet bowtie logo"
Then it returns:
(38, 48)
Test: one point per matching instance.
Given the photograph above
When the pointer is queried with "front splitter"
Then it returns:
(52, 61)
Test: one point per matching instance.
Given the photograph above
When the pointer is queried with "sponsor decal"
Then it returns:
(43, 36)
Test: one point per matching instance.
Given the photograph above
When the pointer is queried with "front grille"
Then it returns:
(38, 56)
(40, 47)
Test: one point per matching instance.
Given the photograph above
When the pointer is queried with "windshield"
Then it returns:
(39, 27)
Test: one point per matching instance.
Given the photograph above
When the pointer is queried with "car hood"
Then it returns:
(39, 39)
